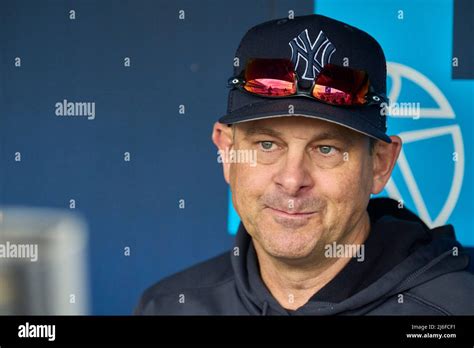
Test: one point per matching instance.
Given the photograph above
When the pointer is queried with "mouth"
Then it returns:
(292, 214)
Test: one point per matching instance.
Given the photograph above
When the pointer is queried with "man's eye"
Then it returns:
(266, 145)
(326, 149)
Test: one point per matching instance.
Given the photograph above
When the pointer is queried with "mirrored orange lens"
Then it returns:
(341, 85)
(270, 77)
(270, 87)
(332, 95)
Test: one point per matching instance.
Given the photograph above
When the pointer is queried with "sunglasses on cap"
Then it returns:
(335, 85)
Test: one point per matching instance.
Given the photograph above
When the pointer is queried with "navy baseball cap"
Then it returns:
(311, 42)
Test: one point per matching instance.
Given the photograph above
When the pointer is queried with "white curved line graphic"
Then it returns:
(458, 177)
(398, 71)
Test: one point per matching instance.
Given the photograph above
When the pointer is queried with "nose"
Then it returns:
(294, 176)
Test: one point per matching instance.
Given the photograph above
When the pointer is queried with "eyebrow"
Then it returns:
(262, 130)
(333, 135)
(326, 135)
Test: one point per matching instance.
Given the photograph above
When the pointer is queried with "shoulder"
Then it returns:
(203, 274)
(202, 277)
(452, 293)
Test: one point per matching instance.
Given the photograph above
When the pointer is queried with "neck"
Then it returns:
(293, 284)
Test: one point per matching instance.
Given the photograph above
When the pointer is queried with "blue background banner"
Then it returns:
(168, 203)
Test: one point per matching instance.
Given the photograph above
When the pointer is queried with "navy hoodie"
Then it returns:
(408, 270)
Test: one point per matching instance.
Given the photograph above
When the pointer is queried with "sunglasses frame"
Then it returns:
(372, 98)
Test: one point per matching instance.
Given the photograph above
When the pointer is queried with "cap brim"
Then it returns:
(355, 118)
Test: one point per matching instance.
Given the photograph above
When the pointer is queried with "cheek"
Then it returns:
(346, 190)
(248, 184)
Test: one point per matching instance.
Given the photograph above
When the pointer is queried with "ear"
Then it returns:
(223, 138)
(385, 156)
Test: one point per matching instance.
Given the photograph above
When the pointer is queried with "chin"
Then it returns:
(288, 243)
(289, 253)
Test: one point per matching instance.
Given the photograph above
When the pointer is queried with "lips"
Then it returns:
(292, 213)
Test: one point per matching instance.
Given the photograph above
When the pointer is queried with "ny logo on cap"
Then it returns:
(316, 54)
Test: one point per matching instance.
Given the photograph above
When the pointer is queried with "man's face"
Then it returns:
(310, 187)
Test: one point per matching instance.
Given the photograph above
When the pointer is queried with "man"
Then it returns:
(307, 99)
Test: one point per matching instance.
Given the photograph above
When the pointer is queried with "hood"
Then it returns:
(412, 252)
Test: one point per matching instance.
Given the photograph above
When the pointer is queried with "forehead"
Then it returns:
(298, 126)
